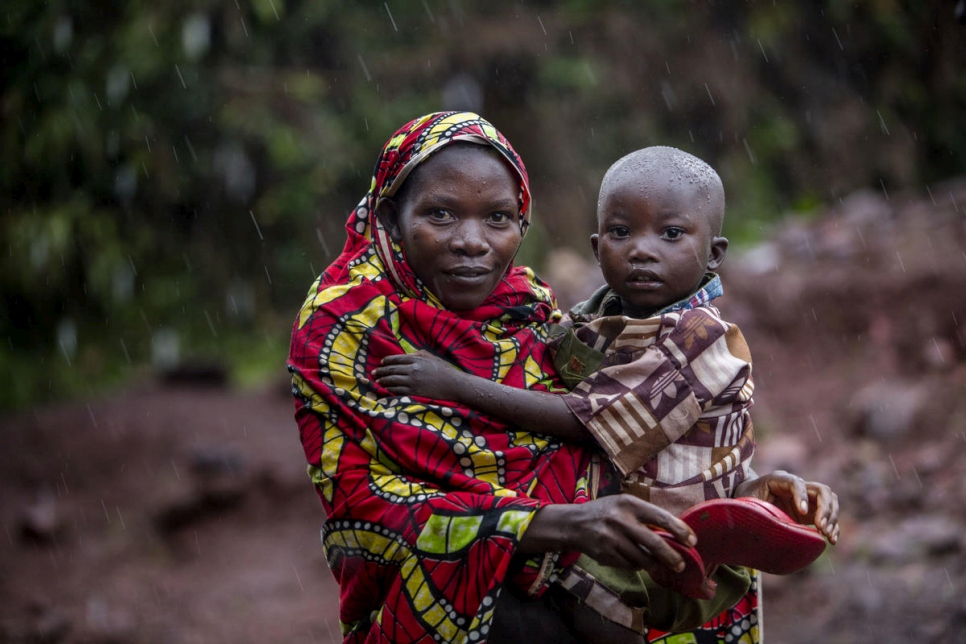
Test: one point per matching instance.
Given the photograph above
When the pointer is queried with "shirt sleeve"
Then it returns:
(642, 400)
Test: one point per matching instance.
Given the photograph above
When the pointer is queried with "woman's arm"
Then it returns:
(422, 374)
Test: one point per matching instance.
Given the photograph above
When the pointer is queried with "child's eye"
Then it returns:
(673, 233)
(620, 231)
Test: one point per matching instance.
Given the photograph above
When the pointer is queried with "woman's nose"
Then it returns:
(470, 238)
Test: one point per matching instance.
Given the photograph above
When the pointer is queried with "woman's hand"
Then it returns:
(808, 502)
(614, 530)
(419, 374)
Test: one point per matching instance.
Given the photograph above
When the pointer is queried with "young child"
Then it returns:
(658, 379)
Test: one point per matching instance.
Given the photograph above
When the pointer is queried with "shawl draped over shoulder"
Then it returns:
(425, 501)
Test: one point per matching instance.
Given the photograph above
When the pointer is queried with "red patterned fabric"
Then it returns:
(425, 501)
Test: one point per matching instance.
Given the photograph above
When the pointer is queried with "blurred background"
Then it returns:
(175, 174)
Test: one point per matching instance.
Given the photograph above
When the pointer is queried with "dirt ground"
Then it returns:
(182, 513)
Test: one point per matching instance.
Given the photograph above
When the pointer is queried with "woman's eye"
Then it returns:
(501, 217)
(440, 215)
(673, 233)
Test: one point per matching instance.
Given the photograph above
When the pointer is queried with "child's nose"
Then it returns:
(643, 249)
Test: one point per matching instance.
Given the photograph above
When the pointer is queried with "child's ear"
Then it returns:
(593, 243)
(719, 247)
(387, 211)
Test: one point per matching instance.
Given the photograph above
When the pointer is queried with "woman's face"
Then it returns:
(457, 219)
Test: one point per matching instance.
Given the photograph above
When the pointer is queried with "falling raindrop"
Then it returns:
(394, 27)
(762, 50)
(894, 468)
(751, 154)
(257, 229)
(211, 325)
(837, 39)
(429, 12)
(882, 123)
(815, 427)
(191, 148)
(667, 93)
(365, 69)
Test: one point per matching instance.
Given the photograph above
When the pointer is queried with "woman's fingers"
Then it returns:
(620, 531)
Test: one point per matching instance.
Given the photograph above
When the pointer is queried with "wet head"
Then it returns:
(457, 219)
(659, 217)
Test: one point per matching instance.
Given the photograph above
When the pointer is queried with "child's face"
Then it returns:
(654, 240)
(458, 222)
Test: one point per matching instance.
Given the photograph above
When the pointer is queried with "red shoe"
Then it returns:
(740, 532)
(693, 581)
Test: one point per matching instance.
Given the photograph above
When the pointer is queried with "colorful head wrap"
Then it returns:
(425, 500)
(412, 144)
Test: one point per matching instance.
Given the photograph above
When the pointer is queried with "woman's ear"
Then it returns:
(719, 246)
(387, 211)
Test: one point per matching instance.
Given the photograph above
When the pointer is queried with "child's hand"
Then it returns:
(419, 374)
(808, 502)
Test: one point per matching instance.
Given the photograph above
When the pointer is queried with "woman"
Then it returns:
(433, 508)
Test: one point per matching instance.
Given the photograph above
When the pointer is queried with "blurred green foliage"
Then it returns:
(175, 174)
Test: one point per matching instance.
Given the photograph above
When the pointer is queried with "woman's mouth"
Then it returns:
(468, 274)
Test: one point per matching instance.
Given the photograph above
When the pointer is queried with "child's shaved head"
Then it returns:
(675, 169)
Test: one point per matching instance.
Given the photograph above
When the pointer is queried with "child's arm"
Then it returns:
(422, 374)
(808, 502)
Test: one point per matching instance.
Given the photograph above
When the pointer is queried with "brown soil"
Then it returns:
(184, 514)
